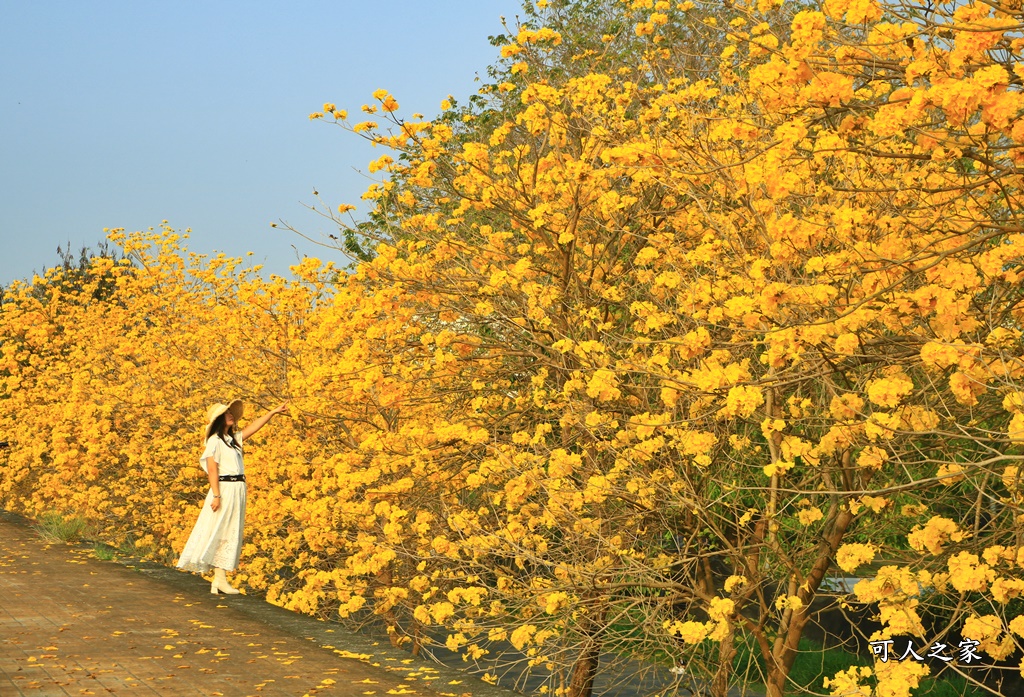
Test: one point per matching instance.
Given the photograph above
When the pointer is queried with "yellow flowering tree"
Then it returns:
(688, 310)
(722, 323)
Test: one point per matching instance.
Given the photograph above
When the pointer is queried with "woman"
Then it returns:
(216, 539)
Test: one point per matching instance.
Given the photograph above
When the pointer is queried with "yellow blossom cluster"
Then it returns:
(694, 301)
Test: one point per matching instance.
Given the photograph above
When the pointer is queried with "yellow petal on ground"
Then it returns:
(358, 656)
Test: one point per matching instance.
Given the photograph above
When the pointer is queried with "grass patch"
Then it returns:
(103, 552)
(54, 527)
(814, 663)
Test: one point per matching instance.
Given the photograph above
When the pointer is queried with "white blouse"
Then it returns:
(228, 459)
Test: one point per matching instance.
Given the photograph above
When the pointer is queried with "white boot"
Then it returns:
(220, 583)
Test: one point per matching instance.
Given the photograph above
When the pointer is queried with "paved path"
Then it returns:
(73, 625)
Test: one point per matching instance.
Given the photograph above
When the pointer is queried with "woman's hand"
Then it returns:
(213, 472)
(259, 423)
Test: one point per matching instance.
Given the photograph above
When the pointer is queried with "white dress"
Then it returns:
(216, 539)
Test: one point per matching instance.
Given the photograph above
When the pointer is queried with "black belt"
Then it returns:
(232, 477)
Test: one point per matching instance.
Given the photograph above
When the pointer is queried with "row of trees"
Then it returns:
(692, 305)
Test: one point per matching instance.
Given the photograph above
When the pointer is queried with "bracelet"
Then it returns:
(216, 497)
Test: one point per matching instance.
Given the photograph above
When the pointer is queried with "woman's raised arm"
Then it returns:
(259, 423)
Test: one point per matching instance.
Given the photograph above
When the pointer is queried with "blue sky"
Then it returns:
(126, 113)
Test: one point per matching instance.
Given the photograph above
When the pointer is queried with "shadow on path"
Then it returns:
(71, 624)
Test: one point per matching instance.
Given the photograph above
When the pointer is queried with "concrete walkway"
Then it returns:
(73, 625)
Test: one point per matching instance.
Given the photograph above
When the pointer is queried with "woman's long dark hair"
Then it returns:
(217, 428)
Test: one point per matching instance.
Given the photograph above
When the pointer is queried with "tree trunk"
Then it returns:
(726, 652)
(585, 669)
(384, 578)
(776, 683)
(784, 652)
